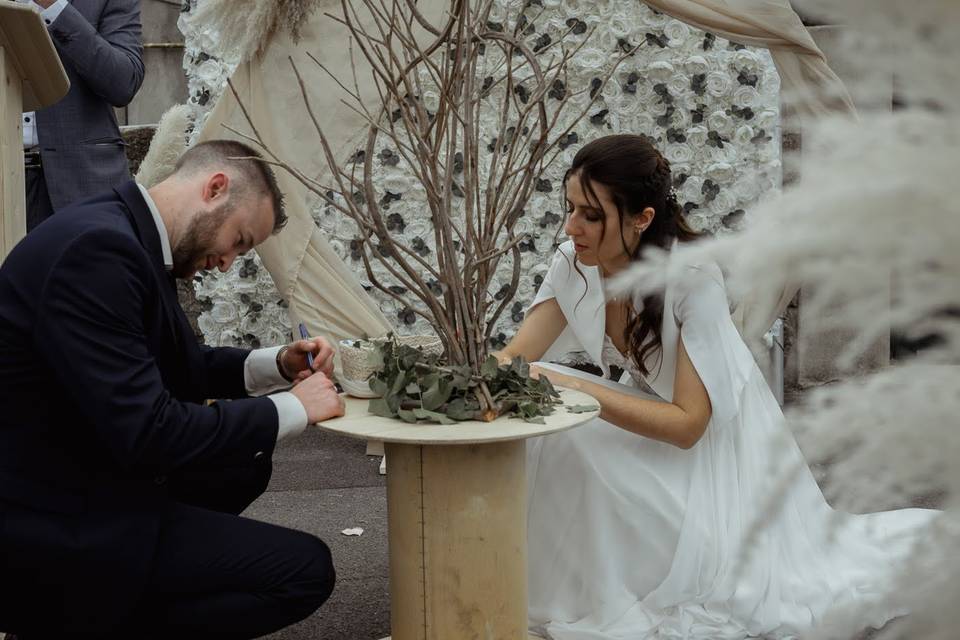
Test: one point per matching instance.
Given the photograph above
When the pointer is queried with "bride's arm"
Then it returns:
(680, 423)
(540, 329)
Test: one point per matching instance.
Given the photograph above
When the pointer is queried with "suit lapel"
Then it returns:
(149, 237)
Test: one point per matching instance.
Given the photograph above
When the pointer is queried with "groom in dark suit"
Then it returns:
(119, 484)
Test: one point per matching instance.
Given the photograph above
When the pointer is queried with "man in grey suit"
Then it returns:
(73, 149)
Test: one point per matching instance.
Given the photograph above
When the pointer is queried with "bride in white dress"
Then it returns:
(636, 520)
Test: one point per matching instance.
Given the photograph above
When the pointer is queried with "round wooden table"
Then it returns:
(456, 508)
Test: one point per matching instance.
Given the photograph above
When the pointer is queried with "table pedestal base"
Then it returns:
(458, 563)
(456, 503)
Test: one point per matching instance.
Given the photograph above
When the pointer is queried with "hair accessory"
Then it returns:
(672, 196)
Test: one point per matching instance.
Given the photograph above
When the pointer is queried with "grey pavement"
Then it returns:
(323, 484)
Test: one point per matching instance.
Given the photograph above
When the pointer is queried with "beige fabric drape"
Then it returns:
(322, 290)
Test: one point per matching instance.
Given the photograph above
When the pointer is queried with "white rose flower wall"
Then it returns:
(710, 105)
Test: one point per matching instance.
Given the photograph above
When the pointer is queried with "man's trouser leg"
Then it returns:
(39, 207)
(224, 576)
(220, 575)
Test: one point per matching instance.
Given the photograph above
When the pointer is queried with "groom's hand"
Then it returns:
(319, 398)
(295, 363)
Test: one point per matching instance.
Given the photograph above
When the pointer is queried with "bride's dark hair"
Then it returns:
(637, 176)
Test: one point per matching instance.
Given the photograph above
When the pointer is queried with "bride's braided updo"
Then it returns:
(637, 176)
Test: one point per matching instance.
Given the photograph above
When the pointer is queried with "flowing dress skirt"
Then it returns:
(631, 539)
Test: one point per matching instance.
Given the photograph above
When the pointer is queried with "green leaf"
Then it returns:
(437, 395)
(434, 416)
(519, 366)
(535, 420)
(543, 385)
(529, 409)
(457, 409)
(407, 416)
(379, 407)
(429, 380)
(378, 386)
(461, 378)
(412, 389)
(582, 408)
(394, 402)
(490, 367)
(399, 383)
(409, 358)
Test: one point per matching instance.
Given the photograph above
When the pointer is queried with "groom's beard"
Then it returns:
(190, 254)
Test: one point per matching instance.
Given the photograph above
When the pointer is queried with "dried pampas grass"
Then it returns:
(168, 144)
(246, 27)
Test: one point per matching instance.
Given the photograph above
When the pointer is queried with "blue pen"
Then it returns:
(305, 335)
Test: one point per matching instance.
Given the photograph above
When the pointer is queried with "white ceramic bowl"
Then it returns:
(357, 389)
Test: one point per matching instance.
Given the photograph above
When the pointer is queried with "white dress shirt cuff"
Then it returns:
(260, 373)
(51, 13)
(292, 416)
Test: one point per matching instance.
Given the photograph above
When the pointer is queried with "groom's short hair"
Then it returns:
(257, 177)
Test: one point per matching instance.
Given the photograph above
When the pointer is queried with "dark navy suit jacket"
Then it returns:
(102, 389)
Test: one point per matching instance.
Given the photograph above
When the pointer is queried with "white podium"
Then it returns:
(31, 77)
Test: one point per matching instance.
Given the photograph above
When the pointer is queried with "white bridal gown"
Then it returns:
(630, 538)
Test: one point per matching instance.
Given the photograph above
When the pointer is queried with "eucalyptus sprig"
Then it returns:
(415, 386)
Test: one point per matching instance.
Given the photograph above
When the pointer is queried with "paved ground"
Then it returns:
(324, 484)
